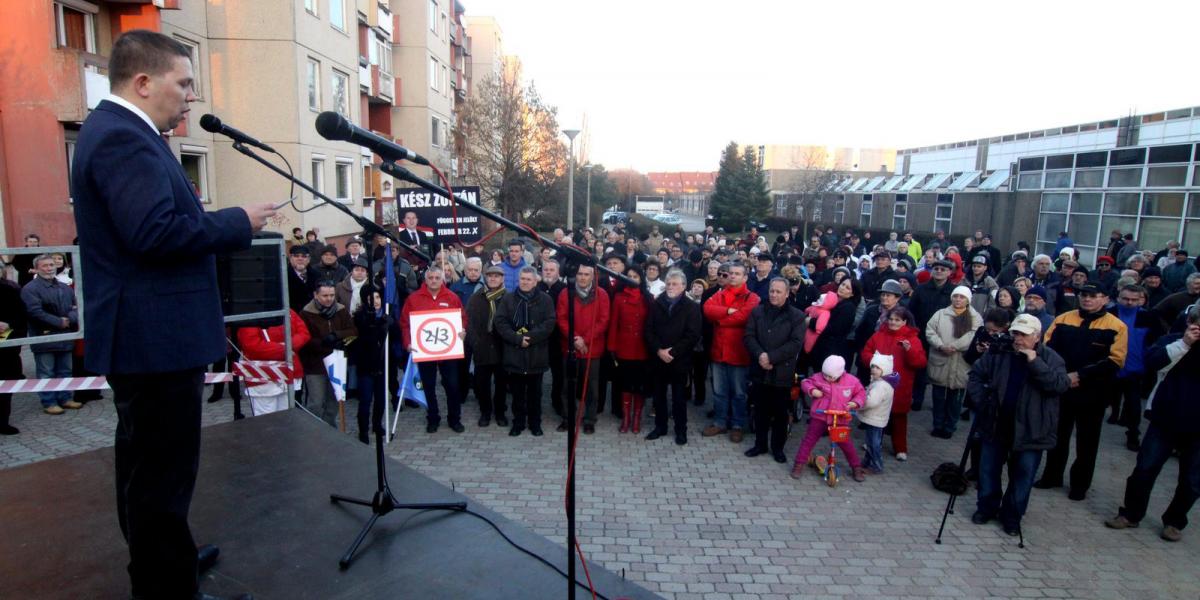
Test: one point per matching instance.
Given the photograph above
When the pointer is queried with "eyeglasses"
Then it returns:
(722, 274)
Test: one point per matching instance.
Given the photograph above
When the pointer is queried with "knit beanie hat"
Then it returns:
(834, 366)
(963, 291)
(885, 362)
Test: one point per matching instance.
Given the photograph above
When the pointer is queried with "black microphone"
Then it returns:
(333, 126)
(213, 124)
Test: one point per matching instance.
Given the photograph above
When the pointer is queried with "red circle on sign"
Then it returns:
(448, 326)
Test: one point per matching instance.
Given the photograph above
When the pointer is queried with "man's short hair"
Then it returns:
(1136, 289)
(675, 274)
(34, 236)
(41, 257)
(329, 283)
(142, 51)
(474, 260)
(1192, 277)
(528, 270)
(515, 242)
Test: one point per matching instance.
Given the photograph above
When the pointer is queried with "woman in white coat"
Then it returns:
(950, 332)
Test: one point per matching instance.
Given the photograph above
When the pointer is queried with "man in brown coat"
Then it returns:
(331, 327)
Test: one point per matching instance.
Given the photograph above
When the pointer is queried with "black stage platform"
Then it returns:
(263, 496)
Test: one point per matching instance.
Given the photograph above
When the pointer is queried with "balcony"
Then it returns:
(386, 86)
(366, 83)
(385, 22)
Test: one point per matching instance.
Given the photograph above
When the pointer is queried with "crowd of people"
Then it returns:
(1027, 350)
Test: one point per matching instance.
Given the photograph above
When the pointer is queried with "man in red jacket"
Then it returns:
(728, 310)
(434, 295)
(591, 326)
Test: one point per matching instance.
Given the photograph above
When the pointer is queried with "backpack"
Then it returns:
(948, 477)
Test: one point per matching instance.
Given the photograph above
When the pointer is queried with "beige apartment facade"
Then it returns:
(424, 113)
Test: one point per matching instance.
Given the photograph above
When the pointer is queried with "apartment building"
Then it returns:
(54, 71)
(422, 57)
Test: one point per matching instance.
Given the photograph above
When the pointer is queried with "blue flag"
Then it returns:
(411, 387)
(389, 282)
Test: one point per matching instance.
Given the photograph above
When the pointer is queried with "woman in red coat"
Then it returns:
(899, 340)
(626, 341)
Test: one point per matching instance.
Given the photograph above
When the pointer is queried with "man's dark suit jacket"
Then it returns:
(149, 272)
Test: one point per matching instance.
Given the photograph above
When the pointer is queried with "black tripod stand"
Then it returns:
(383, 502)
(962, 465)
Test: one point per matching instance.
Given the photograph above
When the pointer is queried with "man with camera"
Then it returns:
(1015, 387)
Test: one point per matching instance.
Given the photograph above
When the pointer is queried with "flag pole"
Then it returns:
(387, 350)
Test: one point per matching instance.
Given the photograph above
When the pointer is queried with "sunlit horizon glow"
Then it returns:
(667, 84)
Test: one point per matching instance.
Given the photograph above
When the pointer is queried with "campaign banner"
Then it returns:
(435, 216)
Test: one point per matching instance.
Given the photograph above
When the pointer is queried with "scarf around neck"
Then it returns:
(492, 297)
(521, 316)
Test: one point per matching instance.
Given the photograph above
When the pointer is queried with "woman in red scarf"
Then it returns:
(899, 340)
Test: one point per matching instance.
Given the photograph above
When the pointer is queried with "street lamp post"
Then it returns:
(571, 133)
(587, 216)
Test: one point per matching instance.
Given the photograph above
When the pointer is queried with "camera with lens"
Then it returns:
(1001, 342)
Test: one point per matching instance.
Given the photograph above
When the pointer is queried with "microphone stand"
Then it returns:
(368, 225)
(572, 259)
(383, 501)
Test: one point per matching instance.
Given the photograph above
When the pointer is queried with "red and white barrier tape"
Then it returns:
(250, 371)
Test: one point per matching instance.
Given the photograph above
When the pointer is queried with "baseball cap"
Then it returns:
(1026, 324)
(979, 260)
(300, 249)
(943, 263)
(1090, 288)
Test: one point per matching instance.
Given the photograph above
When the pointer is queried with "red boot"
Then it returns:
(639, 402)
(626, 400)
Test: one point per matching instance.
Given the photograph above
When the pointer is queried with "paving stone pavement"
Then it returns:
(703, 521)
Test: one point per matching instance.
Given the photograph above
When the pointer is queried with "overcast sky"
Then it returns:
(666, 84)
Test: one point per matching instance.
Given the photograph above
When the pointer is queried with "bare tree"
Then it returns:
(814, 172)
(513, 152)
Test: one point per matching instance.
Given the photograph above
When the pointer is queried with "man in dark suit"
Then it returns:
(416, 238)
(153, 313)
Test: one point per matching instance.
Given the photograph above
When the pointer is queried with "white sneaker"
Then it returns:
(902, 456)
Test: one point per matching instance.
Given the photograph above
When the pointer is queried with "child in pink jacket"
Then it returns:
(831, 389)
(818, 315)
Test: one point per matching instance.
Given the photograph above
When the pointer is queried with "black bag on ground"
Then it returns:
(948, 477)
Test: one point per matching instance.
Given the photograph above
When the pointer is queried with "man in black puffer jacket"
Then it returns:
(525, 321)
(774, 337)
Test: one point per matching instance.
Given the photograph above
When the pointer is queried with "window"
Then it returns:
(310, 6)
(75, 25)
(1050, 224)
(1167, 176)
(1125, 177)
(943, 212)
(337, 14)
(341, 181)
(434, 74)
(1030, 181)
(433, 15)
(1091, 159)
(1090, 178)
(1162, 205)
(193, 161)
(864, 216)
(1155, 233)
(1127, 156)
(435, 138)
(839, 209)
(1121, 204)
(1084, 227)
(1170, 154)
(444, 27)
(341, 93)
(70, 135)
(900, 214)
(445, 78)
(1058, 179)
(1054, 203)
(194, 50)
(381, 54)
(314, 85)
(318, 175)
(1085, 203)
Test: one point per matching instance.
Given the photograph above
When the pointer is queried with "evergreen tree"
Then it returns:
(755, 197)
(725, 206)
